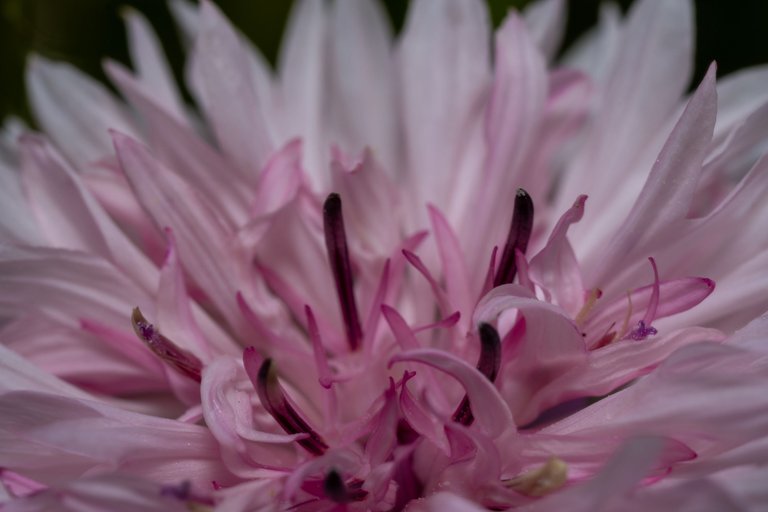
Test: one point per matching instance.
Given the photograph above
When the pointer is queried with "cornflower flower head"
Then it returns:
(424, 273)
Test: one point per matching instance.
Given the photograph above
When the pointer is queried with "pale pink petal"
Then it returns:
(443, 501)
(68, 285)
(66, 438)
(363, 81)
(83, 358)
(550, 344)
(225, 73)
(205, 241)
(490, 410)
(372, 211)
(595, 51)
(186, 15)
(422, 421)
(21, 375)
(303, 66)
(706, 395)
(677, 296)
(383, 439)
(75, 110)
(746, 137)
(738, 95)
(622, 473)
(174, 309)
(610, 367)
(183, 150)
(280, 180)
(555, 267)
(70, 217)
(454, 267)
(151, 66)
(246, 449)
(545, 20)
(668, 191)
(647, 76)
(444, 69)
(116, 493)
(512, 116)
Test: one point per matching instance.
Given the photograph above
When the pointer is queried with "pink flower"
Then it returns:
(394, 274)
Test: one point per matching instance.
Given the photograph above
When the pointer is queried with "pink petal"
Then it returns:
(150, 63)
(66, 437)
(75, 110)
(676, 296)
(247, 447)
(303, 66)
(454, 267)
(203, 238)
(490, 410)
(555, 267)
(280, 180)
(116, 493)
(241, 126)
(70, 217)
(371, 202)
(180, 148)
(667, 194)
(363, 82)
(444, 69)
(546, 22)
(512, 115)
(646, 76)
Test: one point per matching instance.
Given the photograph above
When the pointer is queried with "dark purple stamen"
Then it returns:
(275, 402)
(517, 239)
(174, 356)
(338, 256)
(488, 364)
(642, 331)
(336, 490)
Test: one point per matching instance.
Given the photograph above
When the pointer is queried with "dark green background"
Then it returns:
(85, 31)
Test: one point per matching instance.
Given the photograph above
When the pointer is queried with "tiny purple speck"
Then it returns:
(147, 331)
(642, 331)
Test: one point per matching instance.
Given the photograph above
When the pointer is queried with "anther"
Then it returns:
(174, 356)
(338, 257)
(277, 405)
(517, 239)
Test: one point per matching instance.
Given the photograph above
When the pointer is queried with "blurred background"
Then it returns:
(85, 31)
